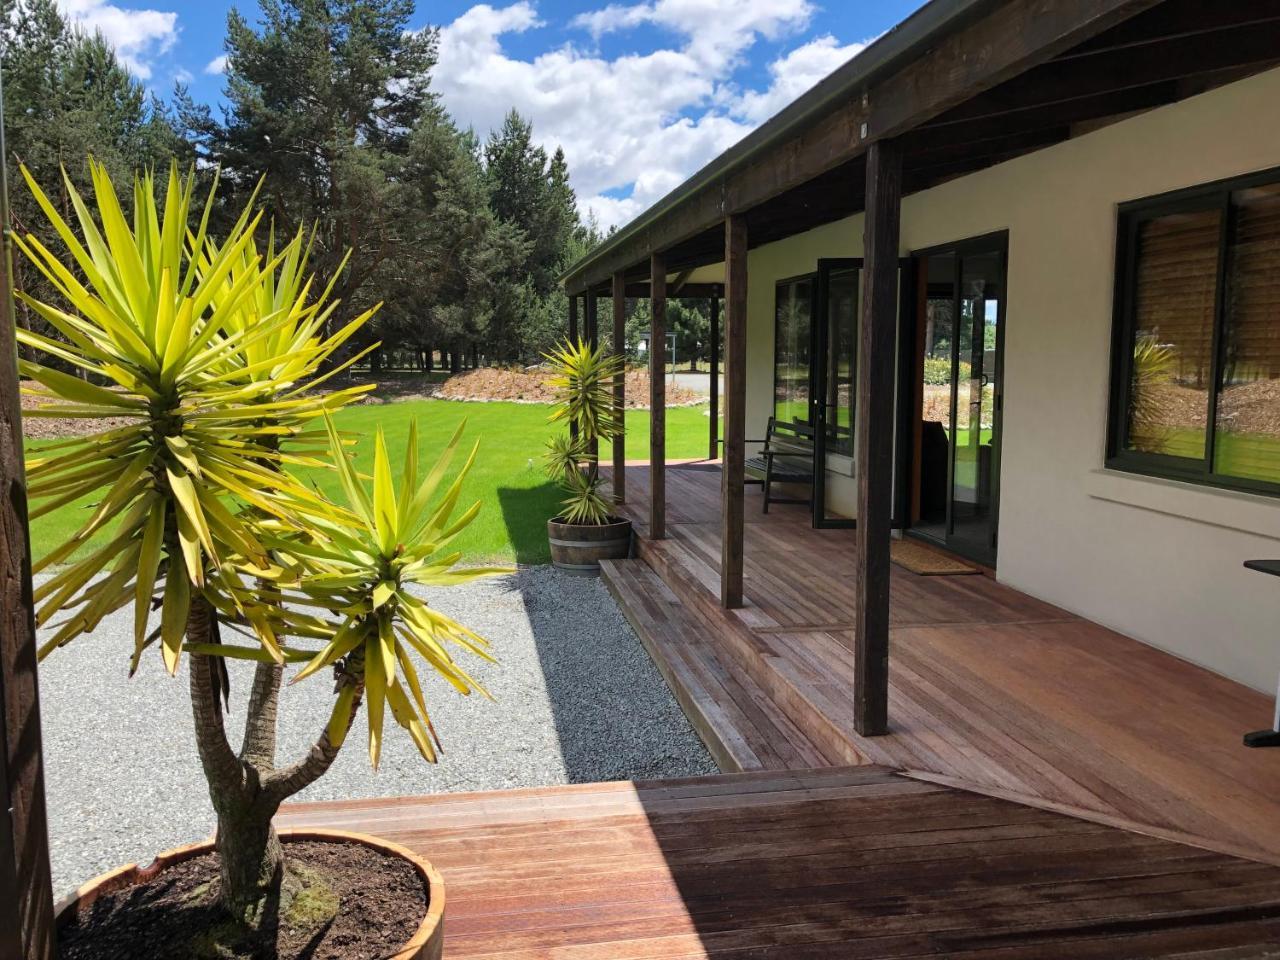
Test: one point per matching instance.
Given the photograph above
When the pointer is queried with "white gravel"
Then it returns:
(578, 700)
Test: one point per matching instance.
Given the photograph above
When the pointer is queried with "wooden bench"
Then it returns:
(787, 457)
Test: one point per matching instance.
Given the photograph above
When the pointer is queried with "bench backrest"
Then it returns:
(789, 437)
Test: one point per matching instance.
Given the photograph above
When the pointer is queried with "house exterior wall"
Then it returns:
(1158, 560)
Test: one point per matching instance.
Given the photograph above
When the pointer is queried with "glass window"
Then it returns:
(1247, 438)
(841, 359)
(1197, 390)
(793, 308)
(1175, 291)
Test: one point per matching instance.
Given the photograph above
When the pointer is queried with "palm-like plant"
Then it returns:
(358, 564)
(582, 379)
(1153, 368)
(149, 321)
(212, 352)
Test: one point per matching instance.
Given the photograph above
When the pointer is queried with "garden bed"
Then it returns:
(55, 428)
(486, 384)
(514, 385)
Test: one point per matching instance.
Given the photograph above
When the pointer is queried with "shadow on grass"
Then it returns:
(525, 511)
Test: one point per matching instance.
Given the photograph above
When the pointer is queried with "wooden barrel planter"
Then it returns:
(427, 942)
(578, 549)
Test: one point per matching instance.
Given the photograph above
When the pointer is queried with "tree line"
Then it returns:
(329, 113)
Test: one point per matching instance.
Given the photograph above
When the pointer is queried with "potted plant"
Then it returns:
(212, 352)
(587, 531)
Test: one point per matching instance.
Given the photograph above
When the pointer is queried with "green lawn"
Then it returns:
(507, 476)
(1246, 456)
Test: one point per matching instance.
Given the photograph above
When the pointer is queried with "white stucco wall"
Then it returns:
(1157, 560)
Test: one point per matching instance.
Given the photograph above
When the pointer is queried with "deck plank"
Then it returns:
(989, 688)
(830, 862)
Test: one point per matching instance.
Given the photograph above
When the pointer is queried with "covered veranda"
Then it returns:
(960, 86)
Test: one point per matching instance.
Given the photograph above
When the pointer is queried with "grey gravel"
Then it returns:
(578, 700)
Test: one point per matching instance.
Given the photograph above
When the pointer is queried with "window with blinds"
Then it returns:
(1196, 384)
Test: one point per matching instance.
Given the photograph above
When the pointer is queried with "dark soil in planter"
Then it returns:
(358, 904)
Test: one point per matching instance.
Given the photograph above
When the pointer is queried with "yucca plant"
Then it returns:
(1153, 368)
(582, 378)
(358, 564)
(212, 351)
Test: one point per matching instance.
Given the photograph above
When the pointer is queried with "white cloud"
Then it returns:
(633, 127)
(216, 66)
(139, 36)
(717, 31)
(795, 73)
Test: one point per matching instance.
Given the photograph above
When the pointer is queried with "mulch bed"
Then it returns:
(513, 385)
(486, 384)
(55, 428)
(1247, 407)
(381, 901)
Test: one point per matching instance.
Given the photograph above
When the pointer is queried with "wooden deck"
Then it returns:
(836, 863)
(989, 689)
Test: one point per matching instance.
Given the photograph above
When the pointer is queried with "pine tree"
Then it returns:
(67, 96)
(323, 99)
(531, 194)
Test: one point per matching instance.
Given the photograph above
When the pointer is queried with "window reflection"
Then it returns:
(1247, 444)
(794, 312)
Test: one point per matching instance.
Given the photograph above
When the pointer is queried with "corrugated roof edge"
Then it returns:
(924, 27)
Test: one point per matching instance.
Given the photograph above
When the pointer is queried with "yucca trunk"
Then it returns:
(251, 864)
(245, 788)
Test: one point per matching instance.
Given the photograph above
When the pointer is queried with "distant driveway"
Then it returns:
(697, 382)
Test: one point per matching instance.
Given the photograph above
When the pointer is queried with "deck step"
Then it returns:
(694, 582)
(741, 726)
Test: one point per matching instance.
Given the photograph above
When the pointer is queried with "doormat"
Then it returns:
(920, 559)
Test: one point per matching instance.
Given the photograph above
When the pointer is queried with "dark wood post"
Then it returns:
(620, 388)
(735, 409)
(572, 339)
(658, 397)
(591, 321)
(713, 449)
(874, 431)
(26, 891)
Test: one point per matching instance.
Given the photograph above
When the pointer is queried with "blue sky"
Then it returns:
(640, 94)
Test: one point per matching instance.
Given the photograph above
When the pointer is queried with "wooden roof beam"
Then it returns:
(641, 291)
(1111, 71)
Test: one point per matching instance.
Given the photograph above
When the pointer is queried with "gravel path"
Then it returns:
(578, 700)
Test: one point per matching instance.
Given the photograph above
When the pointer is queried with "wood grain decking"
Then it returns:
(835, 863)
(989, 688)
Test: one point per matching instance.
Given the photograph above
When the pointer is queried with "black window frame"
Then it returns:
(1130, 217)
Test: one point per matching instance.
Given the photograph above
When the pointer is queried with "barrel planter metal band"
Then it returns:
(578, 549)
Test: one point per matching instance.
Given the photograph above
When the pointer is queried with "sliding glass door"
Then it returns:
(835, 374)
(960, 311)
